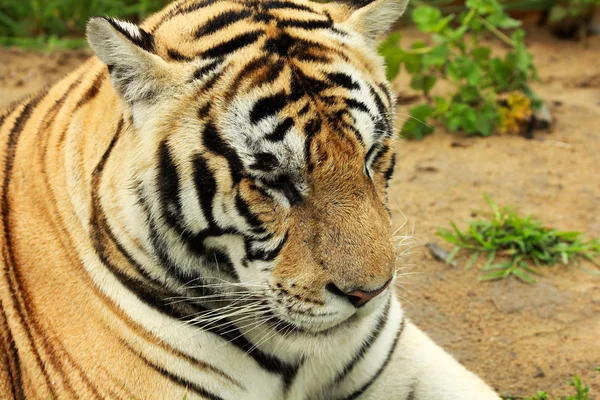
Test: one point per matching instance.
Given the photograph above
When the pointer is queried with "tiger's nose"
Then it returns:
(357, 297)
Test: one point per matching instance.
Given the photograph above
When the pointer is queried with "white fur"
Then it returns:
(377, 17)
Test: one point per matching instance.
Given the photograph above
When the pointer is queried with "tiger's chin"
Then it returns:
(334, 317)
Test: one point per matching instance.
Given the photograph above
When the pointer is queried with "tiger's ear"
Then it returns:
(136, 72)
(372, 18)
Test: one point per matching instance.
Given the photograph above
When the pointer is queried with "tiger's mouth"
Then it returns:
(334, 314)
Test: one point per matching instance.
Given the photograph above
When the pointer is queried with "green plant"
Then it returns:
(582, 392)
(455, 54)
(32, 22)
(524, 240)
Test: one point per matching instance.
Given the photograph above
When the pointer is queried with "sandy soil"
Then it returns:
(518, 337)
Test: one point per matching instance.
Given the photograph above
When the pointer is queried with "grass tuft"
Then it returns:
(582, 392)
(524, 240)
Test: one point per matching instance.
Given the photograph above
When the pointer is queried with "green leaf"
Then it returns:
(426, 17)
(481, 53)
(416, 127)
(472, 260)
(500, 274)
(392, 54)
(469, 93)
(484, 125)
(522, 275)
(443, 23)
(490, 258)
(501, 20)
(423, 82)
(475, 75)
(456, 34)
(483, 6)
(500, 73)
(413, 63)
(437, 57)
(452, 254)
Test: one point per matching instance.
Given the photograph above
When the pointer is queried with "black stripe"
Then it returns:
(387, 360)
(225, 48)
(209, 83)
(374, 159)
(263, 17)
(12, 360)
(204, 110)
(271, 73)
(283, 184)
(343, 80)
(411, 395)
(206, 187)
(264, 161)
(386, 92)
(219, 260)
(177, 56)
(209, 67)
(356, 4)
(3, 116)
(305, 24)
(367, 344)
(213, 141)
(264, 255)
(221, 21)
(280, 45)
(311, 129)
(390, 171)
(383, 125)
(267, 106)
(244, 210)
(92, 91)
(304, 109)
(261, 191)
(9, 265)
(302, 85)
(370, 153)
(189, 385)
(168, 186)
(280, 130)
(145, 40)
(180, 10)
(248, 69)
(276, 5)
(357, 105)
(314, 58)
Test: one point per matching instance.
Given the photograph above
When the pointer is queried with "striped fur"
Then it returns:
(184, 214)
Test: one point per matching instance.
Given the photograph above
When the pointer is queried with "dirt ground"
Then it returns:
(518, 337)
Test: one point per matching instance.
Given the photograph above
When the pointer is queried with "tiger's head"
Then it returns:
(263, 144)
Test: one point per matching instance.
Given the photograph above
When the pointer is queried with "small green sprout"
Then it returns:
(526, 243)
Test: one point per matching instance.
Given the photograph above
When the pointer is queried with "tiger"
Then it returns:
(200, 211)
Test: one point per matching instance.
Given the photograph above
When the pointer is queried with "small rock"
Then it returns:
(539, 373)
(542, 119)
(460, 144)
(427, 168)
(439, 253)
